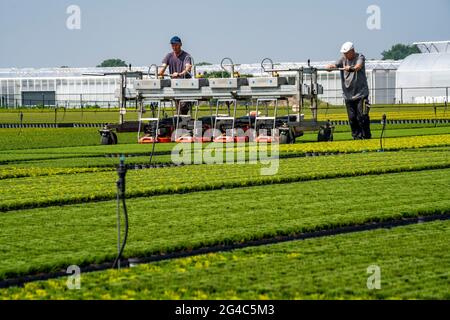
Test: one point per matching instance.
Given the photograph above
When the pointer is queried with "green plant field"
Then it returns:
(58, 208)
(17, 165)
(79, 164)
(31, 192)
(393, 127)
(327, 268)
(434, 140)
(83, 152)
(35, 138)
(369, 145)
(90, 115)
(390, 133)
(391, 113)
(56, 237)
(72, 166)
(69, 116)
(17, 172)
(50, 161)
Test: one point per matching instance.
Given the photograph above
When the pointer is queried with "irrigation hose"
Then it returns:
(122, 170)
(153, 147)
(383, 128)
(125, 213)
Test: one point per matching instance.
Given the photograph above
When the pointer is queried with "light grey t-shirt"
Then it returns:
(354, 84)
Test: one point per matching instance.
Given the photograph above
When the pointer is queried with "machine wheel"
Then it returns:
(104, 140)
(287, 137)
(284, 139)
(114, 139)
(108, 137)
(325, 134)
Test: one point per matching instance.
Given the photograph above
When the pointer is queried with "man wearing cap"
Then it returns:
(356, 90)
(179, 63)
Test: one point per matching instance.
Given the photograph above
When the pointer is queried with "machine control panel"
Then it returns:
(185, 84)
(263, 82)
(221, 83)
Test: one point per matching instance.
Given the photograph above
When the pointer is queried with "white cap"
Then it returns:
(346, 47)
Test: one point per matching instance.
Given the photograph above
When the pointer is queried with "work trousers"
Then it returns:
(358, 117)
(183, 108)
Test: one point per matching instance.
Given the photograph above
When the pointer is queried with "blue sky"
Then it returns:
(34, 34)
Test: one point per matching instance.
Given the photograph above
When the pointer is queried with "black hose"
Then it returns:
(125, 238)
(153, 148)
(383, 128)
(21, 122)
(435, 116)
(124, 242)
(121, 196)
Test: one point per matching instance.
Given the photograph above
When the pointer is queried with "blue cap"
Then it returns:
(175, 40)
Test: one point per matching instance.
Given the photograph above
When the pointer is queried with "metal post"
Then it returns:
(446, 101)
(315, 100)
(401, 95)
(446, 94)
(373, 88)
(122, 103)
(300, 92)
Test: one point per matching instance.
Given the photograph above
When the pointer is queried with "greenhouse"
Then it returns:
(420, 78)
(425, 77)
(65, 87)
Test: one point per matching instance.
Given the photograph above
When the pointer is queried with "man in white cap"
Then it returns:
(356, 90)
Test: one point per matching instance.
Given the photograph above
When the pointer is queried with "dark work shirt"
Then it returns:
(178, 63)
(354, 84)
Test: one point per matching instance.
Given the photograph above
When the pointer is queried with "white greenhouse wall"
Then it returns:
(424, 78)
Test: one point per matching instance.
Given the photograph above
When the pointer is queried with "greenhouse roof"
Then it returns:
(433, 46)
(426, 62)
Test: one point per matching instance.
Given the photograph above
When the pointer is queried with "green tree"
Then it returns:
(399, 52)
(112, 63)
